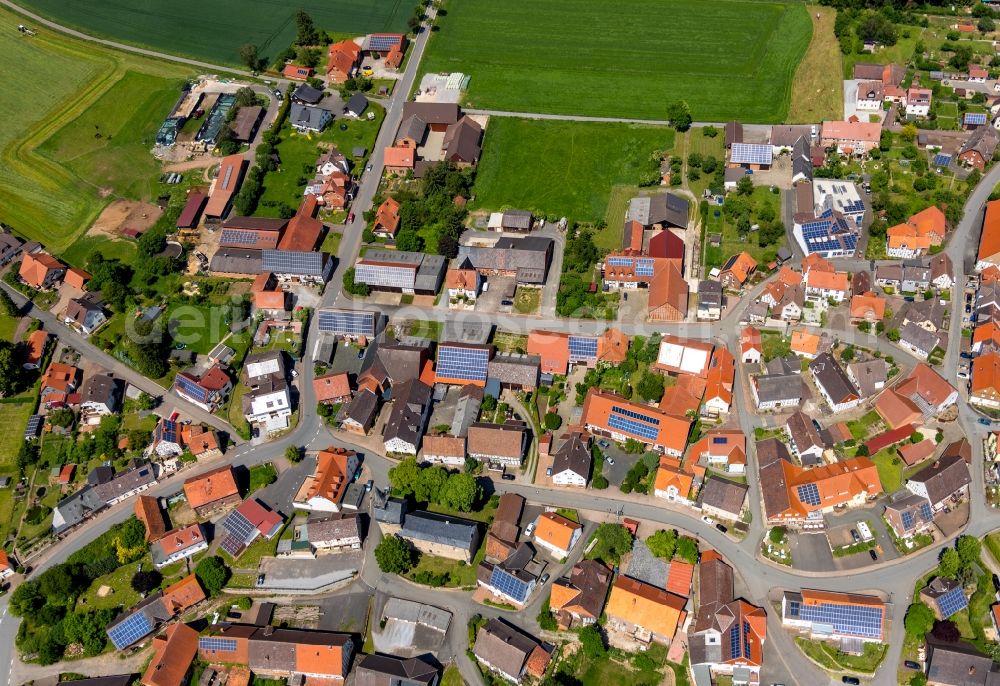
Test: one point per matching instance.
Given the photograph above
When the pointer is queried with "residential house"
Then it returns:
(869, 96)
(946, 479)
(326, 533)
(927, 314)
(737, 270)
(503, 648)
(41, 271)
(36, 343)
(918, 102)
(727, 637)
(386, 223)
(722, 449)
(206, 390)
(464, 286)
(58, 382)
(644, 612)
(673, 481)
(572, 461)
(827, 615)
(154, 519)
(868, 307)
(751, 350)
(945, 596)
(942, 271)
(826, 285)
(804, 439)
(501, 539)
(100, 395)
(84, 315)
(909, 514)
(296, 72)
(509, 579)
(388, 670)
(359, 415)
(177, 545)
(723, 498)
(441, 535)
(917, 235)
(500, 444)
(710, 300)
(924, 393)
(978, 150)
(244, 525)
(611, 415)
(850, 138)
(808, 345)
(324, 489)
(951, 664)
(332, 389)
(794, 495)
(173, 654)
(411, 407)
(154, 610)
(579, 599)
(307, 118)
(343, 59)
(557, 534)
(868, 377)
(918, 340)
(777, 391)
(557, 351)
(212, 491)
(833, 383)
(296, 655)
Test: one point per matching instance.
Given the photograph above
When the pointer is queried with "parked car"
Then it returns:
(361, 353)
(610, 461)
(604, 444)
(873, 554)
(529, 530)
(855, 535)
(721, 528)
(548, 472)
(853, 680)
(369, 485)
(545, 577)
(910, 664)
(984, 421)
(350, 218)
(965, 354)
(962, 373)
(260, 579)
(507, 477)
(369, 167)
(706, 519)
(908, 298)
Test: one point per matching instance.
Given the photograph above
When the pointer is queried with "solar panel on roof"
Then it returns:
(33, 427)
(617, 261)
(644, 267)
(952, 602)
(751, 153)
(809, 494)
(508, 584)
(216, 644)
(190, 388)
(942, 160)
(582, 348)
(635, 415)
(907, 518)
(846, 619)
(239, 526)
(975, 118)
(469, 364)
(734, 641)
(130, 630)
(746, 639)
(633, 427)
(238, 237)
(292, 262)
(357, 323)
(382, 43)
(925, 512)
(232, 545)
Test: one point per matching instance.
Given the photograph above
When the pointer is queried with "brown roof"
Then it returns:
(508, 514)
(715, 580)
(505, 646)
(211, 486)
(943, 478)
(147, 511)
(724, 495)
(332, 386)
(444, 445)
(585, 590)
(501, 440)
(172, 656)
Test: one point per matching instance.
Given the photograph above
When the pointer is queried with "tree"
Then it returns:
(892, 335)
(848, 354)
(687, 549)
(945, 630)
(969, 549)
(679, 115)
(143, 582)
(250, 56)
(293, 454)
(744, 186)
(552, 421)
(405, 476)
(461, 492)
(409, 240)
(650, 387)
(213, 574)
(949, 562)
(545, 619)
(777, 535)
(10, 369)
(430, 481)
(394, 555)
(592, 642)
(909, 133)
(306, 33)
(663, 543)
(87, 629)
(447, 247)
(7, 306)
(354, 287)
(918, 621)
(613, 541)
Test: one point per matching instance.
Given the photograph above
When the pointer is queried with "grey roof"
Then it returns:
(516, 370)
(926, 312)
(115, 680)
(945, 476)
(362, 408)
(406, 421)
(236, 261)
(919, 338)
(389, 510)
(573, 455)
(724, 495)
(803, 432)
(775, 387)
(139, 475)
(441, 529)
(357, 104)
(801, 159)
(413, 612)
(399, 361)
(331, 526)
(734, 133)
(10, 245)
(983, 140)
(307, 116)
(307, 94)
(941, 266)
(83, 311)
(504, 646)
(516, 219)
(73, 509)
(774, 491)
(663, 208)
(466, 410)
(528, 257)
(889, 272)
(412, 127)
(832, 378)
(788, 364)
(101, 388)
(960, 664)
(387, 670)
(260, 358)
(246, 122)
(771, 450)
(786, 136)
(294, 262)
(870, 376)
(709, 293)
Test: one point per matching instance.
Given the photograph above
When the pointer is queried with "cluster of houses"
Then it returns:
(433, 132)
(982, 311)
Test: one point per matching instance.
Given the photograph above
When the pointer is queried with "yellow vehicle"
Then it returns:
(367, 71)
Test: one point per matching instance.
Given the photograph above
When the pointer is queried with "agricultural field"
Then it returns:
(215, 31)
(817, 93)
(729, 59)
(564, 169)
(56, 168)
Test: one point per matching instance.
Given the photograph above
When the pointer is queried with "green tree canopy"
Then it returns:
(919, 620)
(213, 574)
(663, 543)
(394, 555)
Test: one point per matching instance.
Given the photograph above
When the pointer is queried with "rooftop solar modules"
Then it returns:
(190, 388)
(216, 644)
(131, 629)
(34, 426)
(510, 585)
(907, 518)
(847, 619)
(751, 153)
(292, 262)
(644, 267)
(633, 427)
(952, 602)
(809, 494)
(381, 43)
(582, 348)
(975, 118)
(942, 160)
(469, 364)
(618, 261)
(349, 322)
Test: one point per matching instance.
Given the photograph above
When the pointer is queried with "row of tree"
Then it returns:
(456, 491)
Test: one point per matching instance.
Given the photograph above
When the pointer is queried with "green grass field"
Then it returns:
(557, 168)
(215, 31)
(57, 174)
(727, 58)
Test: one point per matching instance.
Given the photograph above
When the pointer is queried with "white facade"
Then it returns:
(717, 405)
(272, 409)
(751, 356)
(447, 460)
(398, 445)
(182, 553)
(568, 477)
(814, 293)
(835, 407)
(555, 550)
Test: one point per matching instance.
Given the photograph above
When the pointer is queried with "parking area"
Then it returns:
(811, 552)
(282, 573)
(347, 612)
(500, 288)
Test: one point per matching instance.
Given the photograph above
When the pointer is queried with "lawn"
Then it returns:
(215, 31)
(732, 242)
(8, 325)
(774, 345)
(119, 581)
(298, 153)
(14, 413)
(643, 670)
(452, 677)
(817, 93)
(832, 659)
(56, 172)
(558, 168)
(526, 300)
(727, 58)
(890, 469)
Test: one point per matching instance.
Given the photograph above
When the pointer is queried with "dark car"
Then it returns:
(910, 664)
(604, 444)
(855, 535)
(721, 528)
(507, 477)
(853, 680)
(966, 354)
(984, 421)
(996, 582)
(873, 554)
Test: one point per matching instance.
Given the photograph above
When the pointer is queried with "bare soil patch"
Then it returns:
(124, 214)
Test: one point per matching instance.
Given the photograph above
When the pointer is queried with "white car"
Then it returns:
(706, 519)
(610, 461)
(529, 530)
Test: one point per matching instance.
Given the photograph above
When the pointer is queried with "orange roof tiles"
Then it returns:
(668, 292)
(461, 279)
(304, 230)
(789, 276)
(612, 346)
(76, 278)
(897, 410)
(343, 56)
(926, 383)
(60, 376)
(147, 511)
(645, 606)
(988, 332)
(679, 578)
(331, 387)
(827, 281)
(868, 133)
(35, 267)
(387, 217)
(270, 300)
(187, 592)
(226, 184)
(669, 474)
(294, 71)
(989, 242)
(805, 343)
(814, 262)
(836, 483)
(672, 431)
(986, 376)
(556, 530)
(330, 480)
(552, 348)
(36, 345)
(173, 653)
(868, 306)
(211, 486)
(261, 283)
(742, 267)
(990, 274)
(919, 232)
(750, 339)
(399, 157)
(198, 439)
(680, 399)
